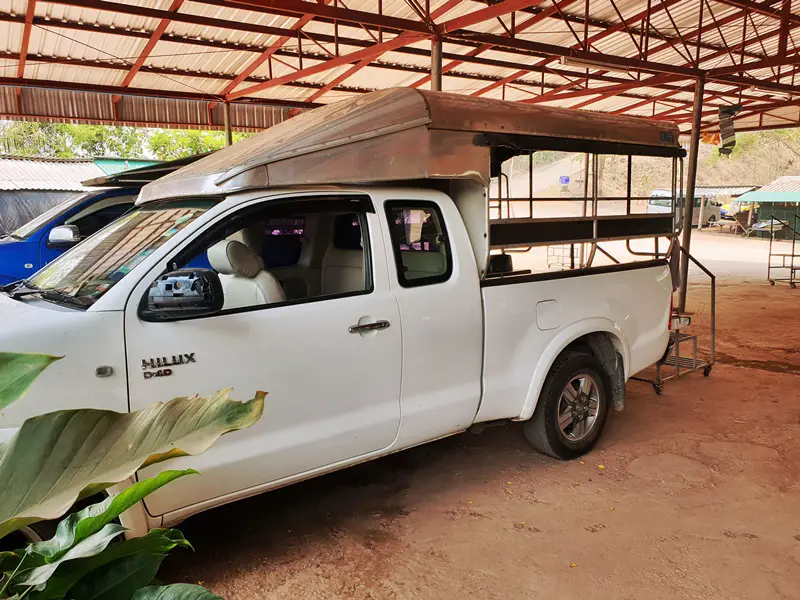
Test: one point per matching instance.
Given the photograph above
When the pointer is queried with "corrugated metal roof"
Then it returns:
(19, 173)
(82, 55)
(787, 183)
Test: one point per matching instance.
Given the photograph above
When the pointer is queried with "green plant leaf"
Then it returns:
(9, 560)
(80, 525)
(58, 458)
(118, 580)
(158, 541)
(176, 591)
(91, 546)
(18, 370)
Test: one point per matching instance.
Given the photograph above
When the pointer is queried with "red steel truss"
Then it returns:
(639, 57)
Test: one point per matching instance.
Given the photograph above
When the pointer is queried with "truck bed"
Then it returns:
(530, 319)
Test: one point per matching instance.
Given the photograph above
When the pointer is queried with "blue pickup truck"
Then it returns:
(42, 239)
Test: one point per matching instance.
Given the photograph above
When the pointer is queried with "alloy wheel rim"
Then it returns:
(578, 407)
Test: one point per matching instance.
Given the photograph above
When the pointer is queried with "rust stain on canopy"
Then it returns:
(403, 134)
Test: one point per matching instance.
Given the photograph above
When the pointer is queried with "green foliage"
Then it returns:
(178, 591)
(171, 144)
(99, 448)
(86, 561)
(57, 458)
(18, 370)
(64, 140)
(80, 525)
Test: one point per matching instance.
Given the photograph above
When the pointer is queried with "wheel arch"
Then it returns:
(602, 338)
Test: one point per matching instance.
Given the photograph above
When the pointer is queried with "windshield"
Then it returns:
(94, 266)
(56, 211)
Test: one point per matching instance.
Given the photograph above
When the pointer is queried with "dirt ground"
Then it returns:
(693, 494)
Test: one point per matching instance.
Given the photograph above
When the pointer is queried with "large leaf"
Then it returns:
(157, 542)
(18, 370)
(55, 459)
(91, 546)
(118, 580)
(80, 525)
(176, 591)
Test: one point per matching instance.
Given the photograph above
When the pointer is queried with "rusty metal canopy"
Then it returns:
(404, 135)
(173, 62)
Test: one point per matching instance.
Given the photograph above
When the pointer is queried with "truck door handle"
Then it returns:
(376, 326)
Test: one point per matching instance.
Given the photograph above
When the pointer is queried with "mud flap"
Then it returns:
(612, 362)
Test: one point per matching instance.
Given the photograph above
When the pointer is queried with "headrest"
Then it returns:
(230, 257)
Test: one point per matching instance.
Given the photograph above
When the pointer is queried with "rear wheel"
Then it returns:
(572, 409)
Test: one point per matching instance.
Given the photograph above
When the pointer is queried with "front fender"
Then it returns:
(557, 345)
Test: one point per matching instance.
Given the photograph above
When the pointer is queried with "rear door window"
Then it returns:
(419, 242)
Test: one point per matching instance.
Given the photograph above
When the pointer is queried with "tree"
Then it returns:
(166, 144)
(64, 140)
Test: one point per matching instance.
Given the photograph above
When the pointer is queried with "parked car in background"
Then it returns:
(711, 209)
(46, 237)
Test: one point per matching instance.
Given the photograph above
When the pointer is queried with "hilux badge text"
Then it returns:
(161, 364)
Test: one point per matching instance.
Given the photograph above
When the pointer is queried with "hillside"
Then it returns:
(757, 159)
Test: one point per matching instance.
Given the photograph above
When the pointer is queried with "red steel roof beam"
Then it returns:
(149, 46)
(545, 13)
(596, 37)
(762, 8)
(442, 10)
(265, 56)
(23, 51)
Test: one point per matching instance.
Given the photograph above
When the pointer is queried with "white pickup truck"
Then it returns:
(345, 262)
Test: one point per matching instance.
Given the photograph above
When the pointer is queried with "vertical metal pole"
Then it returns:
(585, 195)
(700, 215)
(769, 260)
(691, 180)
(585, 181)
(630, 170)
(228, 127)
(595, 185)
(436, 63)
(530, 181)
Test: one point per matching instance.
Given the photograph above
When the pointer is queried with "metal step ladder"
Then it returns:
(788, 264)
(681, 357)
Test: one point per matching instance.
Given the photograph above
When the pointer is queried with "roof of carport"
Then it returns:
(172, 62)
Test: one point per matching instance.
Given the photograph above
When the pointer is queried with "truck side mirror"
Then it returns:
(181, 294)
(63, 236)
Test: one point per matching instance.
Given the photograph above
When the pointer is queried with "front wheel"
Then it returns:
(572, 409)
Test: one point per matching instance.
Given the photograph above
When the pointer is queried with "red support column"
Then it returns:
(688, 204)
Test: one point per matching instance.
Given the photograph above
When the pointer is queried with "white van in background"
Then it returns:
(660, 202)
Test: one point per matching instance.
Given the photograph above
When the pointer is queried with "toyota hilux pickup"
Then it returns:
(355, 272)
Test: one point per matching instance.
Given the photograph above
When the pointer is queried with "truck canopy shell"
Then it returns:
(405, 134)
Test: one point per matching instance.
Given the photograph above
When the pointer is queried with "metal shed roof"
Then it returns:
(172, 62)
(19, 173)
(783, 189)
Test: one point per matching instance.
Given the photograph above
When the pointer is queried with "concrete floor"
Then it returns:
(694, 494)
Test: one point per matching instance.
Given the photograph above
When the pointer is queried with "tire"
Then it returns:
(543, 431)
(29, 534)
